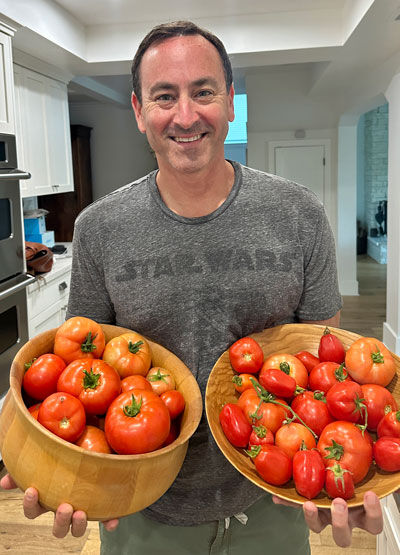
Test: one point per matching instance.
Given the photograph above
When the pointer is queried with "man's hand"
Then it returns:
(65, 518)
(343, 519)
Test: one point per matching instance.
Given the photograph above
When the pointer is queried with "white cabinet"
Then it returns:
(6, 85)
(388, 542)
(43, 133)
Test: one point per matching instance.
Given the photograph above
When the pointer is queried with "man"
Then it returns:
(194, 256)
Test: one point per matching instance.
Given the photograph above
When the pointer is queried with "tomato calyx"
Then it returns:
(157, 377)
(253, 451)
(133, 409)
(377, 356)
(340, 373)
(91, 380)
(319, 396)
(338, 474)
(134, 347)
(254, 415)
(27, 365)
(261, 431)
(88, 346)
(285, 367)
(237, 380)
(336, 451)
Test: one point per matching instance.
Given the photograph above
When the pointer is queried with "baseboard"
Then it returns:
(390, 339)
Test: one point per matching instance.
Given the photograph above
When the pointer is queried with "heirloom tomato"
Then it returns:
(246, 355)
(339, 482)
(308, 359)
(272, 464)
(235, 425)
(40, 378)
(135, 382)
(79, 337)
(94, 382)
(387, 453)
(174, 401)
(330, 348)
(345, 402)
(242, 382)
(379, 401)
(326, 374)
(308, 472)
(369, 361)
(260, 436)
(290, 438)
(160, 379)
(312, 409)
(64, 415)
(137, 421)
(277, 382)
(129, 354)
(260, 413)
(93, 439)
(345, 443)
(290, 365)
(389, 425)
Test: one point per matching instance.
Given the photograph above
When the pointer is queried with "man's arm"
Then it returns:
(334, 321)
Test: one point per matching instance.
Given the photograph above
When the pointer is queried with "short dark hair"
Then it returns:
(177, 29)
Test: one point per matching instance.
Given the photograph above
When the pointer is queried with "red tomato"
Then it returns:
(389, 425)
(174, 401)
(308, 472)
(243, 381)
(312, 409)
(290, 438)
(79, 337)
(246, 355)
(64, 415)
(378, 401)
(339, 482)
(94, 382)
(137, 421)
(290, 365)
(369, 361)
(135, 382)
(235, 425)
(326, 374)
(387, 453)
(261, 436)
(330, 348)
(269, 415)
(345, 402)
(272, 464)
(129, 354)
(40, 378)
(173, 433)
(160, 380)
(345, 443)
(277, 382)
(34, 410)
(93, 439)
(307, 359)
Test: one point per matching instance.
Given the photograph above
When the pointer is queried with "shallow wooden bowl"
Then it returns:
(289, 338)
(104, 486)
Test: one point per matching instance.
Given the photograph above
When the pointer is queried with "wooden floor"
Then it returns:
(363, 314)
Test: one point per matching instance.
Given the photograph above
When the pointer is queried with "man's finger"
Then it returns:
(312, 517)
(30, 503)
(341, 530)
(111, 525)
(7, 482)
(373, 513)
(279, 501)
(62, 520)
(79, 524)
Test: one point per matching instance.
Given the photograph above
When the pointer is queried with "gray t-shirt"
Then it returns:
(265, 257)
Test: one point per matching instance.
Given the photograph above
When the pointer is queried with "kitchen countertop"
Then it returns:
(61, 264)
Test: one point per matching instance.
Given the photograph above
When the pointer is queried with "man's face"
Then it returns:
(185, 107)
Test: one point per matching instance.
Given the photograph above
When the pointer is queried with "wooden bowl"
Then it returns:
(289, 338)
(104, 486)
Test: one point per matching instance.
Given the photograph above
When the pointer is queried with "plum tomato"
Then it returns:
(41, 375)
(379, 401)
(312, 409)
(339, 482)
(387, 453)
(246, 356)
(308, 359)
(308, 472)
(389, 425)
(260, 436)
(345, 402)
(272, 464)
(277, 382)
(235, 425)
(326, 374)
(330, 348)
(290, 365)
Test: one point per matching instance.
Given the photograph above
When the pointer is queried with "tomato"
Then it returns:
(174, 401)
(290, 365)
(135, 382)
(79, 337)
(160, 380)
(339, 482)
(34, 410)
(387, 453)
(235, 425)
(260, 413)
(137, 421)
(64, 415)
(260, 436)
(378, 401)
(290, 438)
(94, 382)
(277, 382)
(40, 378)
(246, 355)
(345, 402)
(93, 439)
(129, 354)
(330, 348)
(344, 442)
(312, 409)
(369, 361)
(242, 382)
(272, 464)
(326, 374)
(308, 472)
(389, 425)
(173, 433)
(308, 359)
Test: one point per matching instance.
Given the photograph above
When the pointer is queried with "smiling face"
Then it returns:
(185, 106)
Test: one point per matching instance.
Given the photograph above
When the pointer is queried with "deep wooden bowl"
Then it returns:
(289, 338)
(104, 486)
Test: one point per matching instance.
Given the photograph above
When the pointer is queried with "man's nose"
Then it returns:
(186, 113)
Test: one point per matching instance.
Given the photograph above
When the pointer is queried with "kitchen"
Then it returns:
(48, 151)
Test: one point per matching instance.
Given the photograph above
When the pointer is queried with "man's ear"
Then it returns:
(137, 108)
(231, 113)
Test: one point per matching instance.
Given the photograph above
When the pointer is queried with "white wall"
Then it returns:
(120, 154)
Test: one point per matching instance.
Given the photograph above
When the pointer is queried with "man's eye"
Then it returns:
(164, 98)
(204, 93)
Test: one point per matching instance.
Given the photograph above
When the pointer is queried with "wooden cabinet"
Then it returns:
(6, 85)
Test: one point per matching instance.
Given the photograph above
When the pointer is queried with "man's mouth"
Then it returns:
(188, 139)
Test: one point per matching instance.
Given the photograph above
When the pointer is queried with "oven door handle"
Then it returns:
(15, 174)
(18, 287)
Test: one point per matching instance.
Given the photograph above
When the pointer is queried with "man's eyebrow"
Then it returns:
(165, 85)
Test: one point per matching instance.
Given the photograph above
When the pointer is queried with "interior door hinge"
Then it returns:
(323, 161)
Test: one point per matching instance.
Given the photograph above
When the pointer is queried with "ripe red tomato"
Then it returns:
(261, 436)
(267, 414)
(345, 402)
(326, 374)
(330, 348)
(272, 464)
(243, 381)
(235, 425)
(174, 401)
(246, 355)
(173, 433)
(129, 354)
(40, 378)
(308, 472)
(137, 421)
(312, 409)
(378, 401)
(387, 453)
(93, 439)
(79, 337)
(277, 382)
(389, 425)
(290, 438)
(34, 410)
(64, 415)
(290, 365)
(308, 359)
(369, 361)
(135, 381)
(160, 380)
(94, 382)
(339, 482)
(343, 442)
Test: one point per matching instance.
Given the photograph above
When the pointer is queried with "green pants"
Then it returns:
(270, 529)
